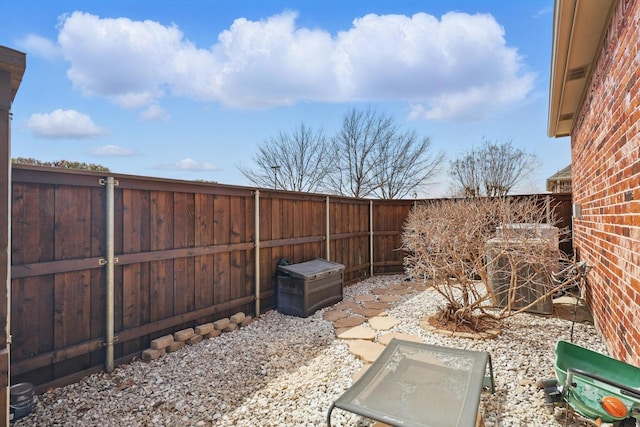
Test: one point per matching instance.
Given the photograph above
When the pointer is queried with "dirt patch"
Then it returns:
(476, 326)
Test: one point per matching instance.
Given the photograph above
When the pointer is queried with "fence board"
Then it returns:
(238, 235)
(71, 318)
(97, 278)
(134, 279)
(184, 268)
(32, 224)
(249, 266)
(203, 268)
(222, 235)
(162, 272)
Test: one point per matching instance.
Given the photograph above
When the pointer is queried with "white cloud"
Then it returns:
(544, 11)
(155, 113)
(450, 67)
(40, 46)
(112, 150)
(271, 62)
(189, 164)
(133, 100)
(63, 124)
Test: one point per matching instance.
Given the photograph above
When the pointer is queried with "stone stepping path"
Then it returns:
(359, 335)
(348, 319)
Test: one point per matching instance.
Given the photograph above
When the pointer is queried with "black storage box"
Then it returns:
(306, 287)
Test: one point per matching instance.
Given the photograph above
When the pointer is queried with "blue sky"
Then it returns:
(189, 89)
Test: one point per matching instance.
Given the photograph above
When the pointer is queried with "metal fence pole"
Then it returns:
(328, 232)
(371, 238)
(548, 208)
(256, 239)
(110, 261)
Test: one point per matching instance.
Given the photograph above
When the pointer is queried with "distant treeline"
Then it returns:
(65, 164)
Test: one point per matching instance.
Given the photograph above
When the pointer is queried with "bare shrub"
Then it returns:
(460, 245)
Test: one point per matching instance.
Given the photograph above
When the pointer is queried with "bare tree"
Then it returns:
(466, 175)
(355, 151)
(372, 156)
(404, 165)
(493, 169)
(294, 161)
(453, 245)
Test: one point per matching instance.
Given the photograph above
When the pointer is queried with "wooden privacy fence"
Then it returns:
(103, 264)
(182, 253)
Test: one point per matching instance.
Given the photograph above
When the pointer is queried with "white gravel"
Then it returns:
(286, 371)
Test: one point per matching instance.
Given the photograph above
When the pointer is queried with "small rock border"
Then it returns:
(190, 336)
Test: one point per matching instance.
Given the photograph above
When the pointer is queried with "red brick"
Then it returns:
(606, 181)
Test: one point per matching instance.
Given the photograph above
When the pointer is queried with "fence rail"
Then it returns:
(183, 253)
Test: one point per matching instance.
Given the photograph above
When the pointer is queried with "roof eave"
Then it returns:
(579, 27)
(14, 63)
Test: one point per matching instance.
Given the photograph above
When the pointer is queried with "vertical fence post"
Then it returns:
(256, 239)
(327, 232)
(5, 241)
(371, 238)
(110, 261)
(548, 208)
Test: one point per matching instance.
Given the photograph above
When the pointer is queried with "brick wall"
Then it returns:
(605, 146)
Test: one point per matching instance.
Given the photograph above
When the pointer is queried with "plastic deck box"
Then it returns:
(304, 288)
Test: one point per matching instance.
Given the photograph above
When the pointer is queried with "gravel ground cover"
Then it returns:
(285, 371)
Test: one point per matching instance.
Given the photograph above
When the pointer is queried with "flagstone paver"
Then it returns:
(345, 305)
(376, 305)
(333, 315)
(367, 312)
(383, 323)
(339, 331)
(364, 298)
(366, 350)
(358, 333)
(349, 322)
